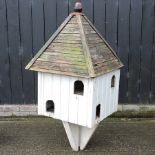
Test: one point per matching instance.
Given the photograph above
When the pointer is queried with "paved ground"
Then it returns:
(44, 136)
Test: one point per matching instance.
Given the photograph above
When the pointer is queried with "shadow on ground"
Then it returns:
(44, 136)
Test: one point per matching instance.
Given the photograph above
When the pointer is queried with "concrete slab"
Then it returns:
(44, 136)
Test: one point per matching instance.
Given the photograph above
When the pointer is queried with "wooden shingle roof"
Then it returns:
(76, 49)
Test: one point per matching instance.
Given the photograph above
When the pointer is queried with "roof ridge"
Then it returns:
(49, 41)
(86, 48)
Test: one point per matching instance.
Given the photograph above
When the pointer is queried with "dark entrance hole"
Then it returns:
(49, 106)
(98, 109)
(78, 87)
(113, 81)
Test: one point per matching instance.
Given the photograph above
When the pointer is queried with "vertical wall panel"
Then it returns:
(146, 52)
(73, 103)
(14, 52)
(83, 104)
(38, 30)
(56, 95)
(100, 16)
(5, 89)
(65, 85)
(123, 46)
(152, 95)
(88, 9)
(38, 24)
(111, 22)
(134, 55)
(50, 17)
(62, 11)
(26, 50)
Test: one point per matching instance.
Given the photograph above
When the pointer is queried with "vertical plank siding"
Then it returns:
(128, 26)
(112, 23)
(14, 41)
(123, 45)
(146, 50)
(26, 50)
(135, 50)
(100, 16)
(5, 87)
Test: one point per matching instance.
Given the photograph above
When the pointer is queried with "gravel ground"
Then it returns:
(46, 136)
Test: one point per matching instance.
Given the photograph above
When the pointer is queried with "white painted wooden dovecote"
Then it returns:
(78, 78)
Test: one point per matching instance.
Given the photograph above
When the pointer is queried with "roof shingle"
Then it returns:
(76, 49)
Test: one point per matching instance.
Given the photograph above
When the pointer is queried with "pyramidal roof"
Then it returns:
(76, 49)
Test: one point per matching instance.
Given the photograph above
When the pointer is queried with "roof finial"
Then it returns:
(78, 6)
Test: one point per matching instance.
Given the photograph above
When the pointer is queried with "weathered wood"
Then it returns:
(71, 31)
(69, 35)
(107, 66)
(62, 56)
(101, 59)
(63, 72)
(67, 45)
(100, 63)
(71, 26)
(63, 50)
(62, 61)
(85, 47)
(67, 41)
(68, 38)
(105, 42)
(50, 67)
(88, 56)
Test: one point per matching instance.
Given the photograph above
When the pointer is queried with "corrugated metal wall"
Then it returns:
(128, 25)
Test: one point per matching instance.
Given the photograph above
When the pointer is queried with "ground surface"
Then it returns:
(44, 136)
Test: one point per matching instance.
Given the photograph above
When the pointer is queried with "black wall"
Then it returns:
(128, 26)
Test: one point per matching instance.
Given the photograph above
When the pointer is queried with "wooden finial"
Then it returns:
(78, 6)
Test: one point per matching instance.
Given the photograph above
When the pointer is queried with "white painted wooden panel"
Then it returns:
(75, 108)
(40, 95)
(65, 97)
(83, 104)
(47, 91)
(56, 95)
(90, 103)
(117, 90)
(104, 95)
(109, 102)
(73, 104)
